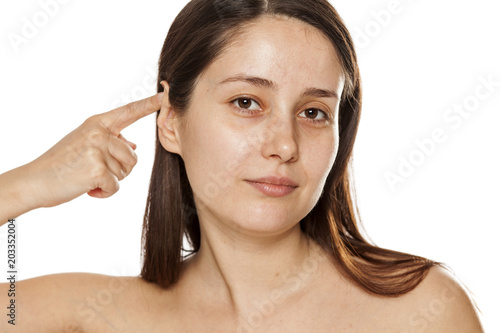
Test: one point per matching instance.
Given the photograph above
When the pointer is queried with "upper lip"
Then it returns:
(284, 181)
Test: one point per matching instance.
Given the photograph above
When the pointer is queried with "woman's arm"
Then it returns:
(14, 194)
(92, 159)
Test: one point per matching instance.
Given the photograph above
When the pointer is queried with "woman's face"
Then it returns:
(267, 107)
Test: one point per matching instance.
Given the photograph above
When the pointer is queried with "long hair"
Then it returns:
(201, 31)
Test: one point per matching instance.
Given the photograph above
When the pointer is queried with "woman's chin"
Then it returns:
(264, 220)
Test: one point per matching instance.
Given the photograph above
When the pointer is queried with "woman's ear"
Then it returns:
(167, 124)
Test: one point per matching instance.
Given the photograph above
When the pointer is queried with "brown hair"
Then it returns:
(201, 31)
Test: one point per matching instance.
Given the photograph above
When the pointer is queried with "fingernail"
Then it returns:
(160, 97)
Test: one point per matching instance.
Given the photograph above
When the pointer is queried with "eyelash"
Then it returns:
(246, 111)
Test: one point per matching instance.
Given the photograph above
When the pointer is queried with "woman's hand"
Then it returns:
(91, 159)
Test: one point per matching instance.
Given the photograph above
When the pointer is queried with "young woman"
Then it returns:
(258, 108)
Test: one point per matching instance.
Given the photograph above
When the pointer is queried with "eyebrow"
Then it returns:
(261, 82)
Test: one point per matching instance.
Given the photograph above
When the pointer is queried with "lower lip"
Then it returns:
(273, 190)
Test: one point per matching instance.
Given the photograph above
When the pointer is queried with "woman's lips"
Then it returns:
(274, 187)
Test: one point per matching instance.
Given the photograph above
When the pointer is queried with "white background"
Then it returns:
(93, 56)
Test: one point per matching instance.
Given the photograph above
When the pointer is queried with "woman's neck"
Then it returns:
(245, 271)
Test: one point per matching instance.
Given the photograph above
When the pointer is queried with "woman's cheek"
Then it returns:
(216, 162)
(319, 156)
(233, 151)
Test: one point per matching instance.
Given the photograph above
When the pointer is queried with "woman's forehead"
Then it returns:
(283, 51)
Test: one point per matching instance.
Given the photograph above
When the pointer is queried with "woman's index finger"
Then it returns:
(118, 119)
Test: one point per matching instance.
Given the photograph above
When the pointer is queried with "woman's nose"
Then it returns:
(280, 139)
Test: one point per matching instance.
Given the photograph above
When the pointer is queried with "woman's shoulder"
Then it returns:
(119, 303)
(440, 303)
(82, 285)
(85, 302)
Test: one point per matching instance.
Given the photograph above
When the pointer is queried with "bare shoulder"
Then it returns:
(439, 304)
(72, 302)
(111, 303)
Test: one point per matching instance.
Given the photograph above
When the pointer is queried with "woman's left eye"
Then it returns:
(246, 104)
(314, 115)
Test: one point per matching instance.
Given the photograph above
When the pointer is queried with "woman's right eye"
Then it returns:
(246, 104)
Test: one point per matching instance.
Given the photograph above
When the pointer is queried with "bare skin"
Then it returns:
(326, 303)
(255, 271)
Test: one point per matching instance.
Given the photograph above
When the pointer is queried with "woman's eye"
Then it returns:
(246, 103)
(314, 114)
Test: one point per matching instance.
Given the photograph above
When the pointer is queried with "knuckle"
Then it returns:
(90, 121)
(134, 159)
(115, 185)
(121, 174)
(93, 121)
(130, 161)
(128, 170)
(96, 136)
